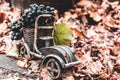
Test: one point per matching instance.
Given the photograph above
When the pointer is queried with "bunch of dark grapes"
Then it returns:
(17, 32)
(28, 18)
(16, 35)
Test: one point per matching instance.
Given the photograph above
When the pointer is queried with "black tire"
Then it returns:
(53, 68)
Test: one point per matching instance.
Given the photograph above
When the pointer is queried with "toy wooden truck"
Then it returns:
(40, 42)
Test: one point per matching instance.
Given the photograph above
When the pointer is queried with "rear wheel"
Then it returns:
(53, 68)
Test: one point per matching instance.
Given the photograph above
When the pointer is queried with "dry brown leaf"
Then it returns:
(85, 3)
(96, 16)
(44, 74)
(23, 63)
(69, 78)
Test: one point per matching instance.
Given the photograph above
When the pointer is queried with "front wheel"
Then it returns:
(53, 68)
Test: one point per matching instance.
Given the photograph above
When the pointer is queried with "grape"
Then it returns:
(38, 12)
(48, 8)
(13, 27)
(52, 12)
(13, 33)
(33, 13)
(35, 5)
(15, 37)
(29, 15)
(52, 8)
(33, 8)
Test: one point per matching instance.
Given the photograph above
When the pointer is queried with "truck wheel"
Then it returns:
(53, 68)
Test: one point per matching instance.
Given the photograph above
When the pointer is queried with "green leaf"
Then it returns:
(62, 35)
